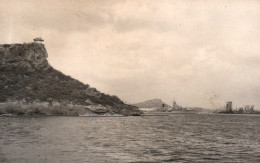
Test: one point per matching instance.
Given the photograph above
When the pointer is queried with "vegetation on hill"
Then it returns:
(26, 75)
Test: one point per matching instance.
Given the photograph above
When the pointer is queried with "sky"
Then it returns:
(200, 53)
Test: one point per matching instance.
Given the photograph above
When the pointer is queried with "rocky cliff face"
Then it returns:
(31, 56)
(27, 79)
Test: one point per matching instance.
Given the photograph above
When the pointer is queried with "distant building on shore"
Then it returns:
(249, 109)
(246, 109)
(229, 107)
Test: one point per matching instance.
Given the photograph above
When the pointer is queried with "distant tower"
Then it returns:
(229, 107)
(38, 40)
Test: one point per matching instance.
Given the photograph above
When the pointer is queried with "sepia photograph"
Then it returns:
(129, 81)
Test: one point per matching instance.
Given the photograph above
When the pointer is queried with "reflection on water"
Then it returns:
(174, 138)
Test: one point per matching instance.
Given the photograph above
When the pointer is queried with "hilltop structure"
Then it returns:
(38, 40)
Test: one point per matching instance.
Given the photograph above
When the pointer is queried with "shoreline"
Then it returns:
(39, 108)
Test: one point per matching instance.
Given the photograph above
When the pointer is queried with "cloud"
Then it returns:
(200, 53)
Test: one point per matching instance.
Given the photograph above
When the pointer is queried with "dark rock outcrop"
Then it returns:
(27, 80)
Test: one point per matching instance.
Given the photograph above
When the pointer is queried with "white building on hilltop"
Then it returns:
(38, 40)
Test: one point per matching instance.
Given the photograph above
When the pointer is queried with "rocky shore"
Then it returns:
(23, 108)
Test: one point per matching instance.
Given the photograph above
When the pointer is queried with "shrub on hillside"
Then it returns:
(58, 110)
(14, 108)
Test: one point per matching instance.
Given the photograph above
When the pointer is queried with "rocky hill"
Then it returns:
(155, 103)
(28, 84)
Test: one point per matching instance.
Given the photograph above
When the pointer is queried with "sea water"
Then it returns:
(173, 138)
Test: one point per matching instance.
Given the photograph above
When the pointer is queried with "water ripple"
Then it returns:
(175, 138)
